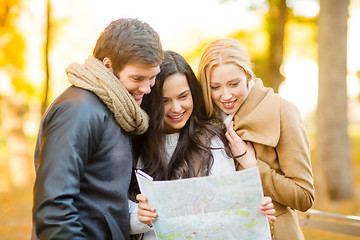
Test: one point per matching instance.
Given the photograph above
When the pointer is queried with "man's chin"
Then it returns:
(139, 102)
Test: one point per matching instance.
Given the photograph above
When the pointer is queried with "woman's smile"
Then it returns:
(229, 105)
(177, 118)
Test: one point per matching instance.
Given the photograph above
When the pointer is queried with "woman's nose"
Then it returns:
(226, 94)
(176, 107)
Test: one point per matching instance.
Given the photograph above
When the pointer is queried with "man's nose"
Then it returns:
(145, 87)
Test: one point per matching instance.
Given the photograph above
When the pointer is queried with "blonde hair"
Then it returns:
(222, 51)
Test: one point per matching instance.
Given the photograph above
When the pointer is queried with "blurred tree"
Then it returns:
(333, 140)
(300, 32)
(13, 100)
(266, 46)
(275, 28)
(44, 103)
(276, 20)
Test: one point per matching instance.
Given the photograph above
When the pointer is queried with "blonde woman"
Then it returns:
(263, 122)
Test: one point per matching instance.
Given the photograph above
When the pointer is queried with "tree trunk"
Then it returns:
(276, 25)
(44, 103)
(333, 140)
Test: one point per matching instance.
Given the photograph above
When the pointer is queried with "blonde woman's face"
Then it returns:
(228, 87)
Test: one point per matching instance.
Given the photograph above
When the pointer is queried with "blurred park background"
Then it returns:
(307, 50)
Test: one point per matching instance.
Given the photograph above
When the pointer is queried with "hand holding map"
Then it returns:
(213, 207)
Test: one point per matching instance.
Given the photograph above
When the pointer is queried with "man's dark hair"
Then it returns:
(126, 41)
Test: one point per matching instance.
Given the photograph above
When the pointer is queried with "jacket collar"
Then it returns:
(258, 119)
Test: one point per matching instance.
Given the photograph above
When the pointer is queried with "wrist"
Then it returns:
(240, 156)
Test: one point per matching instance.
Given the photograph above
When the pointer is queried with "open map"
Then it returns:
(214, 207)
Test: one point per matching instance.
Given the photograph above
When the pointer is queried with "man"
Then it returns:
(83, 156)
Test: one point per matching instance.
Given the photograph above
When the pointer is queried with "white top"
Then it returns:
(222, 165)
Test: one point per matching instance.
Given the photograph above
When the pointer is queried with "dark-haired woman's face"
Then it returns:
(178, 103)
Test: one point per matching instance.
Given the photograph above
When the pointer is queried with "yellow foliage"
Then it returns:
(301, 39)
(12, 46)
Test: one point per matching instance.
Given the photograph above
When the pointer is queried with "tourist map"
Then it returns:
(213, 207)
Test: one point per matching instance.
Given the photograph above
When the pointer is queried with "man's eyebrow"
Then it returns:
(141, 76)
(137, 76)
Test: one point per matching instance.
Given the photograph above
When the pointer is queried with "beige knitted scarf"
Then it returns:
(95, 77)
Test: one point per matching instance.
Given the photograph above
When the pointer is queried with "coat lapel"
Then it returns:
(258, 119)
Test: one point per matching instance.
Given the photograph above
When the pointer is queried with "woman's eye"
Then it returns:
(234, 84)
(184, 96)
(214, 87)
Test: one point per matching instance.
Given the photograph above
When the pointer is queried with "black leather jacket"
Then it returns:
(83, 162)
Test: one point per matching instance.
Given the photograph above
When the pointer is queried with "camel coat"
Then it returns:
(276, 130)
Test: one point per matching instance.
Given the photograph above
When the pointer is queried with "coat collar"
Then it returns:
(258, 119)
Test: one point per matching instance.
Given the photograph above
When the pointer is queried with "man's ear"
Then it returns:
(106, 62)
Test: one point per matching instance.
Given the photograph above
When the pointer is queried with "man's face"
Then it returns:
(138, 79)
